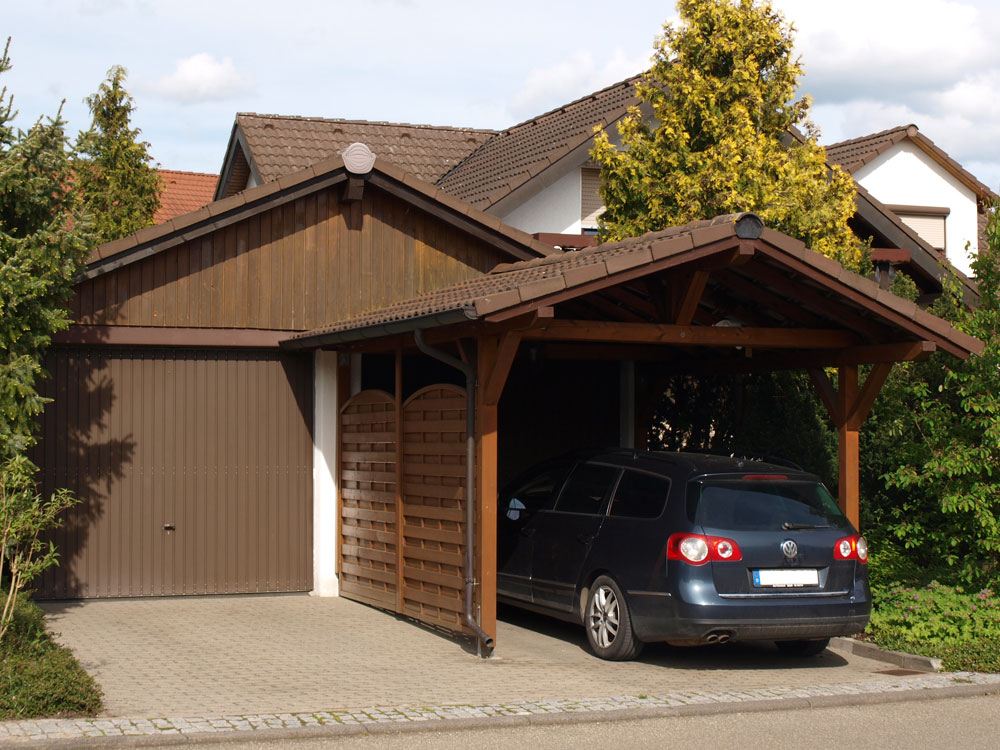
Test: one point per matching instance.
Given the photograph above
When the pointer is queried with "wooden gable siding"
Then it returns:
(301, 265)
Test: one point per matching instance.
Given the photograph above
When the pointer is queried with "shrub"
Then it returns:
(37, 676)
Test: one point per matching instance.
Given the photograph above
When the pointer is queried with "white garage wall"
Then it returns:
(906, 175)
(555, 208)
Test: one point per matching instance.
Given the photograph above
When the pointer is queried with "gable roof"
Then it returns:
(855, 153)
(514, 156)
(182, 192)
(568, 276)
(278, 145)
(383, 174)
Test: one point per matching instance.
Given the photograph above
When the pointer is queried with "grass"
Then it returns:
(38, 677)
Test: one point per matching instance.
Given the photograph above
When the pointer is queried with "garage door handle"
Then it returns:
(169, 527)
(528, 531)
(584, 538)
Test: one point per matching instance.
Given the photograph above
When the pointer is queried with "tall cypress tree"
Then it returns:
(115, 173)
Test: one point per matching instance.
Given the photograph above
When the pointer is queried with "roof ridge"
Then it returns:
(423, 126)
(185, 171)
(880, 134)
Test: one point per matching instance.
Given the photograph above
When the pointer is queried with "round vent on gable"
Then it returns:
(358, 158)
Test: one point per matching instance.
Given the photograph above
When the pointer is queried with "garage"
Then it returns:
(193, 468)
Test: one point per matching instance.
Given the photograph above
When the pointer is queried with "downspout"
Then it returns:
(470, 487)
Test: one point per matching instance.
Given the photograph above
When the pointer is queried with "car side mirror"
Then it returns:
(515, 508)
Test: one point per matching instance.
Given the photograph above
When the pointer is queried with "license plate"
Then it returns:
(786, 577)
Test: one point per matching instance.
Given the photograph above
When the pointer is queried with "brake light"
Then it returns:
(851, 548)
(698, 549)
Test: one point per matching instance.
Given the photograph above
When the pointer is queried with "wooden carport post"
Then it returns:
(495, 355)
(848, 410)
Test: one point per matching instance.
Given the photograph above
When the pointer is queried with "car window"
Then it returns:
(538, 493)
(587, 489)
(762, 505)
(640, 495)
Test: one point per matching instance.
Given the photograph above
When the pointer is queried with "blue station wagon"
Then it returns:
(685, 548)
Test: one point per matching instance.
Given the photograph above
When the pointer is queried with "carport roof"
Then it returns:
(746, 267)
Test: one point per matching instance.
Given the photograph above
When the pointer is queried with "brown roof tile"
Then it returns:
(183, 192)
(512, 157)
(284, 145)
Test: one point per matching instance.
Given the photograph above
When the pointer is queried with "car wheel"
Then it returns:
(609, 623)
(802, 648)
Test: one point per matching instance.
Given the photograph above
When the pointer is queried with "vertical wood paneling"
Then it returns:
(150, 437)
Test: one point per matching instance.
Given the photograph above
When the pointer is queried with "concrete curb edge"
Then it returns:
(876, 653)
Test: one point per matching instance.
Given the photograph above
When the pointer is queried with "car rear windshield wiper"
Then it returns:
(789, 526)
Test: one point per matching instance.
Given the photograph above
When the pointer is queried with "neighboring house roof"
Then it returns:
(855, 153)
(279, 146)
(183, 192)
(513, 157)
(387, 176)
(565, 276)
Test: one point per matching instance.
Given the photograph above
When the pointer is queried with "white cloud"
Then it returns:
(570, 78)
(202, 78)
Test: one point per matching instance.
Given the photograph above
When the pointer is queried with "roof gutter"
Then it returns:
(379, 330)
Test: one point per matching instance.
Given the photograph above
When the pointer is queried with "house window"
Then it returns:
(591, 205)
(927, 221)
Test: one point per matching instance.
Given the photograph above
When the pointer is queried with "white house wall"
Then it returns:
(325, 528)
(555, 208)
(905, 175)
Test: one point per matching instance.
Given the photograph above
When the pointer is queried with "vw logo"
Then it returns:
(789, 548)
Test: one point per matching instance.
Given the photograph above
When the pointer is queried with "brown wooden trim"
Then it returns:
(690, 295)
(506, 351)
(873, 385)
(576, 241)
(487, 427)
(910, 351)
(827, 394)
(933, 211)
(653, 333)
(848, 445)
(397, 398)
(219, 338)
(343, 394)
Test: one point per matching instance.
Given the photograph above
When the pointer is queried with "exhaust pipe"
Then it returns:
(712, 638)
(718, 636)
(470, 488)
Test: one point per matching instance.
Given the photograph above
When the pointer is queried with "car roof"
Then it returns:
(690, 464)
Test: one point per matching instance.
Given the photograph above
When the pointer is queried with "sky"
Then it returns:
(869, 64)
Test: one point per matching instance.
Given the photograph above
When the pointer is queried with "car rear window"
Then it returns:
(587, 489)
(762, 505)
(640, 495)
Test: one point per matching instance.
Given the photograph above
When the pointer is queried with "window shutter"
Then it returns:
(591, 205)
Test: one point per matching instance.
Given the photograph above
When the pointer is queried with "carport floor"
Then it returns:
(271, 654)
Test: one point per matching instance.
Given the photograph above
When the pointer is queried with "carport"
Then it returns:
(723, 295)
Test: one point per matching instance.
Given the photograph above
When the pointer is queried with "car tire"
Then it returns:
(802, 648)
(609, 623)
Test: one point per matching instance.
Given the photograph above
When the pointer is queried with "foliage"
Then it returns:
(44, 240)
(115, 176)
(38, 677)
(937, 442)
(937, 620)
(725, 136)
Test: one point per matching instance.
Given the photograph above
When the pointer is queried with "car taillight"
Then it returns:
(851, 548)
(698, 549)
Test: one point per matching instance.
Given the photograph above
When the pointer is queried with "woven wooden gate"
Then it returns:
(368, 500)
(402, 547)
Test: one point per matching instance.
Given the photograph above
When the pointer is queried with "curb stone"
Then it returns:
(899, 658)
(62, 733)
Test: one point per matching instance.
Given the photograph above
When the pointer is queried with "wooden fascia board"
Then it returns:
(654, 333)
(923, 259)
(848, 292)
(211, 224)
(441, 211)
(236, 141)
(959, 172)
(216, 338)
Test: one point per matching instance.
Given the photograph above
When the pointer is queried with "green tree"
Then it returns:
(726, 135)
(115, 173)
(939, 439)
(44, 241)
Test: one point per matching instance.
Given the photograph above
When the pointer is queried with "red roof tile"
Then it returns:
(183, 192)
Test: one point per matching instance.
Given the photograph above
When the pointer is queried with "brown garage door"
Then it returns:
(194, 467)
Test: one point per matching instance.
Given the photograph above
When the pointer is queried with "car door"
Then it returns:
(564, 535)
(516, 527)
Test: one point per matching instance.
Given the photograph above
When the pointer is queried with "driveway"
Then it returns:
(271, 654)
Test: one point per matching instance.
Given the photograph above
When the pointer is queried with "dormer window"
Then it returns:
(927, 221)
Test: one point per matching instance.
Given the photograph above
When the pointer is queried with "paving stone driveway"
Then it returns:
(268, 654)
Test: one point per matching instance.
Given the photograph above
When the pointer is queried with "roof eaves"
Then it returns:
(320, 337)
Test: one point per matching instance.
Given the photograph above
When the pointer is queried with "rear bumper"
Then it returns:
(664, 617)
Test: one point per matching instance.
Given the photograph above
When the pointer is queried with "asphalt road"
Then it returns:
(967, 723)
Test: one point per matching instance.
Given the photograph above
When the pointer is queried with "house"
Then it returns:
(318, 381)
(928, 190)
(183, 192)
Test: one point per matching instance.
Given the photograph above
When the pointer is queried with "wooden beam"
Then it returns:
(354, 190)
(910, 351)
(769, 300)
(654, 333)
(506, 352)
(397, 398)
(873, 384)
(689, 295)
(848, 445)
(827, 394)
(486, 489)
(343, 394)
